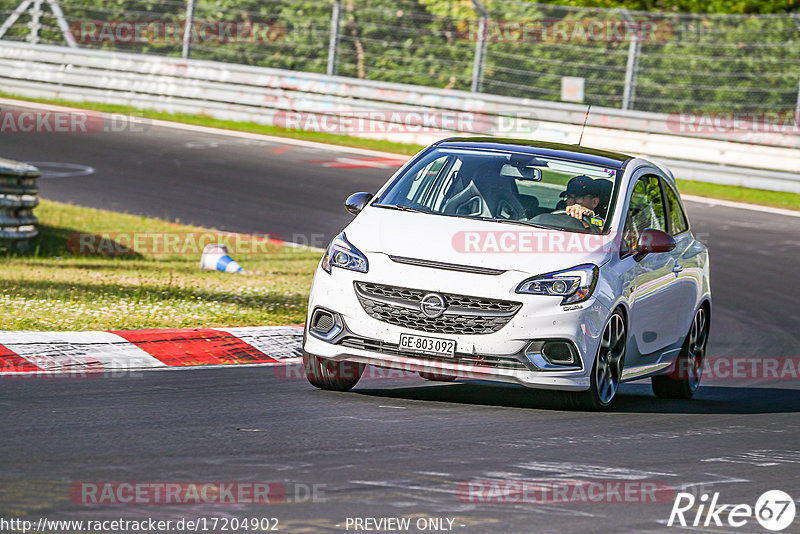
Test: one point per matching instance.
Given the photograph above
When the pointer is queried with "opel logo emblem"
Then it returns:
(432, 305)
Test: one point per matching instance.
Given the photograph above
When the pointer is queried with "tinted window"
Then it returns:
(424, 180)
(676, 215)
(505, 185)
(646, 210)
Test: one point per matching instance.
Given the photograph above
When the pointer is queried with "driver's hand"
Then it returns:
(578, 211)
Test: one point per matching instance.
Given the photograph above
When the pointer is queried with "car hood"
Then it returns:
(473, 242)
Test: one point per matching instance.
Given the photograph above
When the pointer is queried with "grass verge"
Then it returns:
(53, 286)
(775, 199)
(761, 197)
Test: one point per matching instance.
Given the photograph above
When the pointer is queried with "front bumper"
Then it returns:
(498, 356)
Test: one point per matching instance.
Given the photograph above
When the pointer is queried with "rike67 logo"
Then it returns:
(774, 510)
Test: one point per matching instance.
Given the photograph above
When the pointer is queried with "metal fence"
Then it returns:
(660, 62)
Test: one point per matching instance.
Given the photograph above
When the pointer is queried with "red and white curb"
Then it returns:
(56, 352)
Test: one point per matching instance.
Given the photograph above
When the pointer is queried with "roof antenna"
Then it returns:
(585, 118)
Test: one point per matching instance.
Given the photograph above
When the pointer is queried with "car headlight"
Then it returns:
(342, 254)
(574, 285)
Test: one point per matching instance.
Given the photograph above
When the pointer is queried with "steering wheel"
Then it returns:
(588, 220)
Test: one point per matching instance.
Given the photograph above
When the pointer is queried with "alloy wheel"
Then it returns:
(610, 358)
(698, 336)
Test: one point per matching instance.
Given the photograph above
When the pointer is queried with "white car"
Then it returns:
(467, 264)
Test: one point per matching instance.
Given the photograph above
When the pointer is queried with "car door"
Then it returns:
(654, 307)
(688, 274)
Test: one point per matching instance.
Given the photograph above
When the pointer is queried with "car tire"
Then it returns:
(331, 375)
(684, 379)
(606, 369)
(435, 377)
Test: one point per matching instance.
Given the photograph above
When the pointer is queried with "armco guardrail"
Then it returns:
(18, 197)
(320, 102)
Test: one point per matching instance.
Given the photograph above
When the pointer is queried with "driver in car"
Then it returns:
(583, 196)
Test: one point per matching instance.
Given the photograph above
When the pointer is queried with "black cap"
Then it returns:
(580, 186)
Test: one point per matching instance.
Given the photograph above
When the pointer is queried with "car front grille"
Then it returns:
(383, 347)
(400, 306)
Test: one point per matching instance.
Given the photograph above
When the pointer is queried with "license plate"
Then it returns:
(427, 345)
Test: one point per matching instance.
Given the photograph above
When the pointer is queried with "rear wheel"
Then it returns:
(607, 369)
(331, 375)
(684, 380)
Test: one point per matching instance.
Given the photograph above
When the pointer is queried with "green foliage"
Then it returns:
(692, 6)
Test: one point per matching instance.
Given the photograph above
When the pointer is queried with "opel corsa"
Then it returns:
(547, 265)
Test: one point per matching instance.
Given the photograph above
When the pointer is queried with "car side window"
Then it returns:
(424, 180)
(677, 216)
(646, 210)
(445, 188)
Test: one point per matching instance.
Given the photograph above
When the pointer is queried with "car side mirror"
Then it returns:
(653, 241)
(357, 202)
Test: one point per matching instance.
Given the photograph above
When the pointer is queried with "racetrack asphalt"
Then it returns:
(391, 447)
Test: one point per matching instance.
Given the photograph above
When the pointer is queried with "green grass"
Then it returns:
(775, 199)
(724, 192)
(50, 287)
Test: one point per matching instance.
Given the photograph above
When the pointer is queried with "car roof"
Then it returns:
(541, 148)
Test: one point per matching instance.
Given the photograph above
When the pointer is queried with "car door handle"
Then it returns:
(677, 268)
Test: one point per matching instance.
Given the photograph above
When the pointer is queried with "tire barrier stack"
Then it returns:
(19, 194)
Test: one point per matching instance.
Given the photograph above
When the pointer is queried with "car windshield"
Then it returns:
(504, 186)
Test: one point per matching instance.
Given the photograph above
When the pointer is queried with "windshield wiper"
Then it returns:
(400, 208)
(512, 221)
(489, 219)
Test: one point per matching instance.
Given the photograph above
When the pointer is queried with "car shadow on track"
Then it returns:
(632, 398)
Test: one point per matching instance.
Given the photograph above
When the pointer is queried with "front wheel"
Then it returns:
(684, 380)
(331, 375)
(607, 370)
